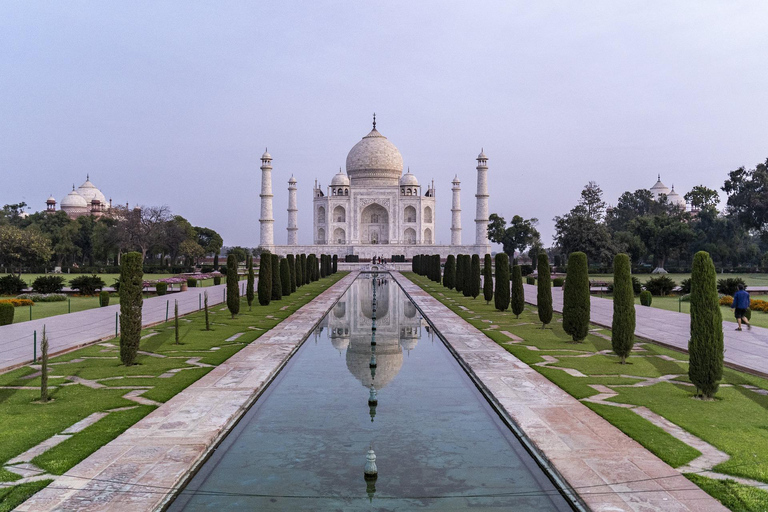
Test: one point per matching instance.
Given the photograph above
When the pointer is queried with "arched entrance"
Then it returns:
(374, 226)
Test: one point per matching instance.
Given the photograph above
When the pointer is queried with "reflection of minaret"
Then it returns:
(481, 217)
(266, 221)
(456, 212)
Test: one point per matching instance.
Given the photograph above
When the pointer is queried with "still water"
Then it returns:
(438, 443)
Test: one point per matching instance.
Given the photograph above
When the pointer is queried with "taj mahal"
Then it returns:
(374, 209)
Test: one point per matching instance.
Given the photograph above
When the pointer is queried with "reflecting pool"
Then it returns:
(371, 376)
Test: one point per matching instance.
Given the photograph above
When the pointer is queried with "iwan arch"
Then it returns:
(374, 209)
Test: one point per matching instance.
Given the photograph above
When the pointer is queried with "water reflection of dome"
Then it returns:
(340, 310)
(340, 344)
(382, 301)
(409, 310)
(408, 343)
(389, 360)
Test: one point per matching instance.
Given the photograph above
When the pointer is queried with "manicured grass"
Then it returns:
(48, 309)
(26, 423)
(107, 278)
(735, 496)
(734, 423)
(749, 279)
(11, 497)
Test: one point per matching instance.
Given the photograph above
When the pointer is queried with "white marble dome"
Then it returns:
(89, 192)
(409, 180)
(340, 180)
(676, 199)
(374, 161)
(659, 189)
(74, 200)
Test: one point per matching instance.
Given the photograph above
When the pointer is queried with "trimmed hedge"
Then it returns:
(103, 299)
(705, 348)
(544, 290)
(131, 302)
(623, 327)
(576, 299)
(646, 298)
(558, 282)
(161, 288)
(292, 268)
(501, 289)
(6, 313)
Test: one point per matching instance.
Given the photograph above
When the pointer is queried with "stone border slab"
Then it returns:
(136, 471)
(609, 470)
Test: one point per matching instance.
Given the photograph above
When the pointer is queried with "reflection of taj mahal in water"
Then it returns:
(350, 327)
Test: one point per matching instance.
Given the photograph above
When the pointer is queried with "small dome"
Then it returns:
(89, 192)
(340, 180)
(409, 180)
(659, 188)
(51, 200)
(675, 198)
(456, 180)
(374, 160)
(266, 155)
(482, 156)
(74, 200)
(292, 180)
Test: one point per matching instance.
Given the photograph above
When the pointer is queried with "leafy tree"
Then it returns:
(277, 285)
(265, 279)
(209, 240)
(20, 248)
(249, 291)
(623, 327)
(701, 197)
(663, 234)
(501, 291)
(517, 298)
(592, 201)
(240, 253)
(748, 196)
(474, 280)
(487, 278)
(705, 348)
(192, 250)
(131, 302)
(520, 234)
(233, 286)
(630, 206)
(577, 231)
(449, 274)
(576, 299)
(544, 291)
(285, 277)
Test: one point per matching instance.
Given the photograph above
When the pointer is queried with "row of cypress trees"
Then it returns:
(279, 277)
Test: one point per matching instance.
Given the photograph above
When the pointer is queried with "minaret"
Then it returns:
(481, 217)
(266, 221)
(293, 212)
(456, 212)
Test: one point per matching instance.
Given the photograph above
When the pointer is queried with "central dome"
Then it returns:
(374, 161)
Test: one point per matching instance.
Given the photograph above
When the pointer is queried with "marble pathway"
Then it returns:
(134, 472)
(77, 329)
(608, 470)
(744, 350)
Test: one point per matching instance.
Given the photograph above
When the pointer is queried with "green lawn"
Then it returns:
(108, 278)
(735, 422)
(46, 309)
(25, 422)
(749, 279)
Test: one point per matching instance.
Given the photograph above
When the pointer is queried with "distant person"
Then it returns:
(740, 306)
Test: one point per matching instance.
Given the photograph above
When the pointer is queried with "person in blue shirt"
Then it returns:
(740, 306)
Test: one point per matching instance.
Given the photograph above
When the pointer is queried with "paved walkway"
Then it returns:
(745, 350)
(76, 329)
(133, 472)
(608, 470)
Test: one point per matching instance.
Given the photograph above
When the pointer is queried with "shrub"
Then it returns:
(216, 280)
(487, 278)
(501, 289)
(233, 288)
(576, 299)
(116, 285)
(449, 274)
(526, 269)
(103, 299)
(544, 291)
(265, 279)
(726, 300)
(529, 280)
(192, 282)
(6, 313)
(660, 285)
(277, 285)
(48, 284)
(558, 282)
(685, 286)
(730, 285)
(11, 285)
(17, 302)
(474, 276)
(646, 298)
(637, 287)
(285, 277)
(249, 292)
(43, 297)
(131, 302)
(705, 348)
(517, 297)
(89, 285)
(623, 327)
(161, 288)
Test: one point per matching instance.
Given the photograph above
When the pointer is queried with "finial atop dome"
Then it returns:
(87, 177)
(374, 120)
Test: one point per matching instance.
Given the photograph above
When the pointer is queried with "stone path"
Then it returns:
(745, 350)
(608, 470)
(132, 472)
(76, 329)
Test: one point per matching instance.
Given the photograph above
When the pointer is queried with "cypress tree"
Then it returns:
(501, 289)
(285, 276)
(474, 283)
(265, 279)
(487, 279)
(517, 297)
(576, 301)
(335, 267)
(304, 270)
(216, 261)
(299, 271)
(415, 264)
(623, 328)
(233, 290)
(176, 321)
(292, 269)
(131, 301)
(459, 272)
(309, 276)
(437, 273)
(323, 267)
(449, 275)
(544, 290)
(277, 285)
(466, 272)
(705, 348)
(249, 288)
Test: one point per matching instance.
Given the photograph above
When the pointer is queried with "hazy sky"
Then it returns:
(174, 102)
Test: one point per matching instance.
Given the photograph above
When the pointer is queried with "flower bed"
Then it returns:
(754, 304)
(182, 279)
(17, 302)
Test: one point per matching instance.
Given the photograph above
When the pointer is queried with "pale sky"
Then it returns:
(174, 102)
